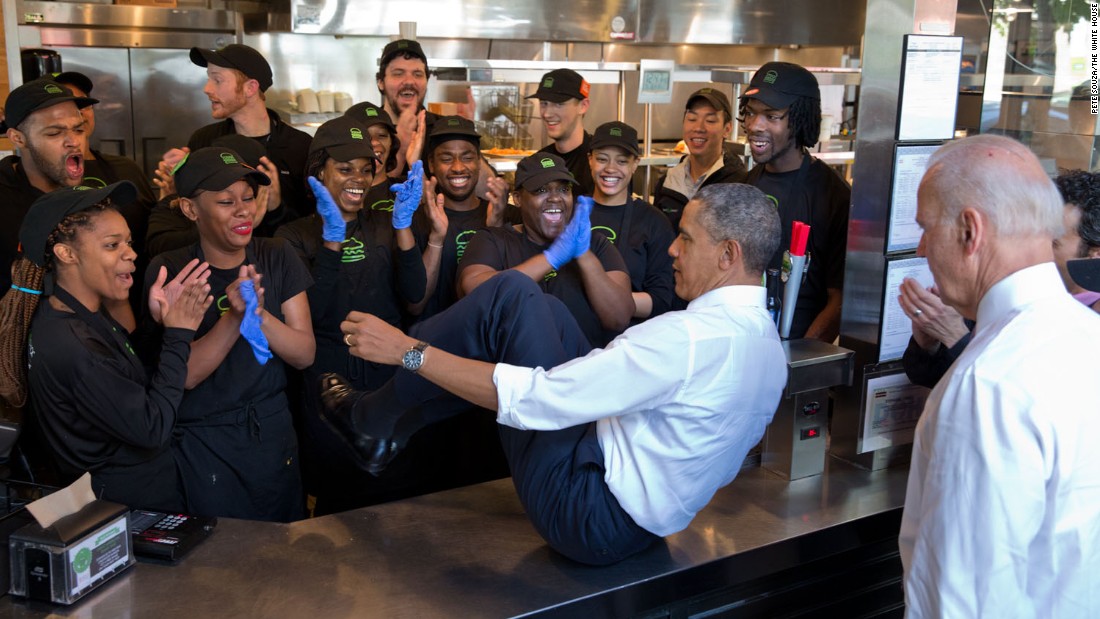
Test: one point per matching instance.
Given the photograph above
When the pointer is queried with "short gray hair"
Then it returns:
(741, 213)
(999, 177)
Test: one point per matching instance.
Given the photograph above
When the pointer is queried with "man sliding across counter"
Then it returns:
(609, 448)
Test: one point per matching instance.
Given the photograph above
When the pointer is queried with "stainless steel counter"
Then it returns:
(471, 552)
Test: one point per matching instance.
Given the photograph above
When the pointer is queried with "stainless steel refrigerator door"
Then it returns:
(168, 103)
(109, 70)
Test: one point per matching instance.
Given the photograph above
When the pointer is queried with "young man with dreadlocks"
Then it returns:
(781, 116)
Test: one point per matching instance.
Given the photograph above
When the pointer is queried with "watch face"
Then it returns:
(412, 360)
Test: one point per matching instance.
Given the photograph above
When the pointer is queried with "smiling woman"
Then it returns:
(235, 440)
(361, 259)
(97, 409)
(637, 229)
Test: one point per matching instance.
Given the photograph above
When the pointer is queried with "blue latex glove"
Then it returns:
(250, 324)
(334, 228)
(408, 198)
(575, 239)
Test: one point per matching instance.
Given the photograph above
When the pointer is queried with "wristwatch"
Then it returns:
(414, 357)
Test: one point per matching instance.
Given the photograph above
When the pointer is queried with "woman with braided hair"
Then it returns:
(98, 410)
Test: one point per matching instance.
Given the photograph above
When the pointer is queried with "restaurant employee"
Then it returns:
(98, 409)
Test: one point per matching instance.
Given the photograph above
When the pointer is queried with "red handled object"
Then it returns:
(800, 234)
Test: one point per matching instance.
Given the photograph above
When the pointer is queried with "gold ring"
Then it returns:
(347, 340)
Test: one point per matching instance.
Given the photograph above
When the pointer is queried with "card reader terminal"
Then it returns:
(167, 537)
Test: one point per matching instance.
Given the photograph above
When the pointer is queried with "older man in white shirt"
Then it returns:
(1002, 512)
(611, 449)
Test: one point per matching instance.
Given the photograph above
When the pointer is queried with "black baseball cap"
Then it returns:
(401, 46)
(448, 128)
(561, 85)
(779, 84)
(1085, 273)
(50, 209)
(213, 169)
(344, 138)
(535, 171)
(716, 98)
(249, 149)
(236, 56)
(369, 114)
(75, 78)
(37, 95)
(616, 133)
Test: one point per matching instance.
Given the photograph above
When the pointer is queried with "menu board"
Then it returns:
(929, 87)
(896, 328)
(910, 162)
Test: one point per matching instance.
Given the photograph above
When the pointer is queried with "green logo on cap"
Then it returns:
(53, 89)
(770, 77)
(372, 112)
(547, 163)
(402, 44)
(229, 159)
(356, 133)
(548, 82)
(615, 131)
(453, 122)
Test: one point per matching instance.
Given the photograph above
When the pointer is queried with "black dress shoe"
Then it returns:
(338, 399)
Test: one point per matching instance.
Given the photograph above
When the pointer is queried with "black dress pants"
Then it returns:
(558, 475)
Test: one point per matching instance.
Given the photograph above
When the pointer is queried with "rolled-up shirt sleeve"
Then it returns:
(640, 372)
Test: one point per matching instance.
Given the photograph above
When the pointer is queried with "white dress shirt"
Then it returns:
(1002, 512)
(678, 401)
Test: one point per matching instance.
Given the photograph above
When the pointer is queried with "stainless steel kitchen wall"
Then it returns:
(740, 22)
(752, 22)
(137, 57)
(578, 20)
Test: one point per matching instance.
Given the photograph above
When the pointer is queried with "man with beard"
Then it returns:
(454, 160)
(237, 77)
(403, 82)
(563, 102)
(102, 169)
(42, 119)
(781, 116)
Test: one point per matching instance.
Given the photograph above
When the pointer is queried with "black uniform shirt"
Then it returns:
(822, 202)
(98, 414)
(169, 229)
(379, 197)
(504, 248)
(461, 228)
(18, 195)
(240, 379)
(642, 235)
(371, 274)
(577, 162)
(288, 149)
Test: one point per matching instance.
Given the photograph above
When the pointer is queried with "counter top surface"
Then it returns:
(469, 552)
